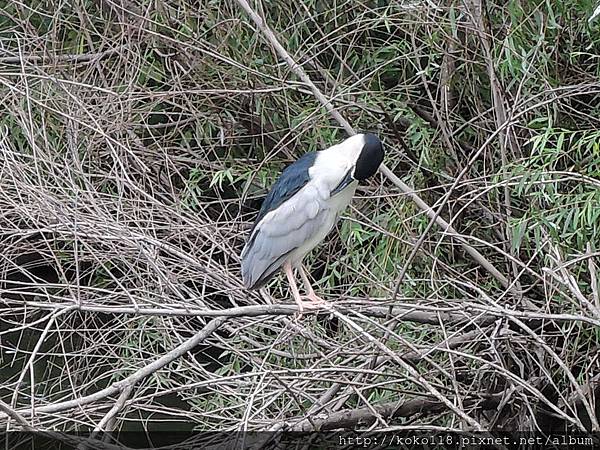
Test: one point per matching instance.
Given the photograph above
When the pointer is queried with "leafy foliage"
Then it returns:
(139, 138)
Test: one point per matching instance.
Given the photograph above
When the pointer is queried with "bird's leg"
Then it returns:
(287, 267)
(310, 292)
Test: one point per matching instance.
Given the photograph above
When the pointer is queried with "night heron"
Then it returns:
(302, 207)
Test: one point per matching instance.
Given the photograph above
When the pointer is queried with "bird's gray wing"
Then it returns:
(293, 178)
(280, 232)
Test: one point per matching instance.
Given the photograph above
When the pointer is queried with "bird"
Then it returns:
(302, 207)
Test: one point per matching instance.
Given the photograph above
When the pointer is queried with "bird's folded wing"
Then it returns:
(291, 226)
(293, 178)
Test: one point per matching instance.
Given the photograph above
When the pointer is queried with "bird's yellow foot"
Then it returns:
(312, 301)
(303, 305)
(315, 300)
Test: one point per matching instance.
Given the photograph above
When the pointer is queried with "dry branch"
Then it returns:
(468, 313)
(366, 416)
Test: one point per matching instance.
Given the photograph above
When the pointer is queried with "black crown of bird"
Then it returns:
(302, 207)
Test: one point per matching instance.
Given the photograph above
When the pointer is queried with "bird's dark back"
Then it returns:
(293, 178)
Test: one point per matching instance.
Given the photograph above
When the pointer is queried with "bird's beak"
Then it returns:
(345, 182)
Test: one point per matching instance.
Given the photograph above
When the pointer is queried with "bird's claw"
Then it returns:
(312, 302)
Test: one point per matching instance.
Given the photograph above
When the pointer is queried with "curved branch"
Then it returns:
(132, 379)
